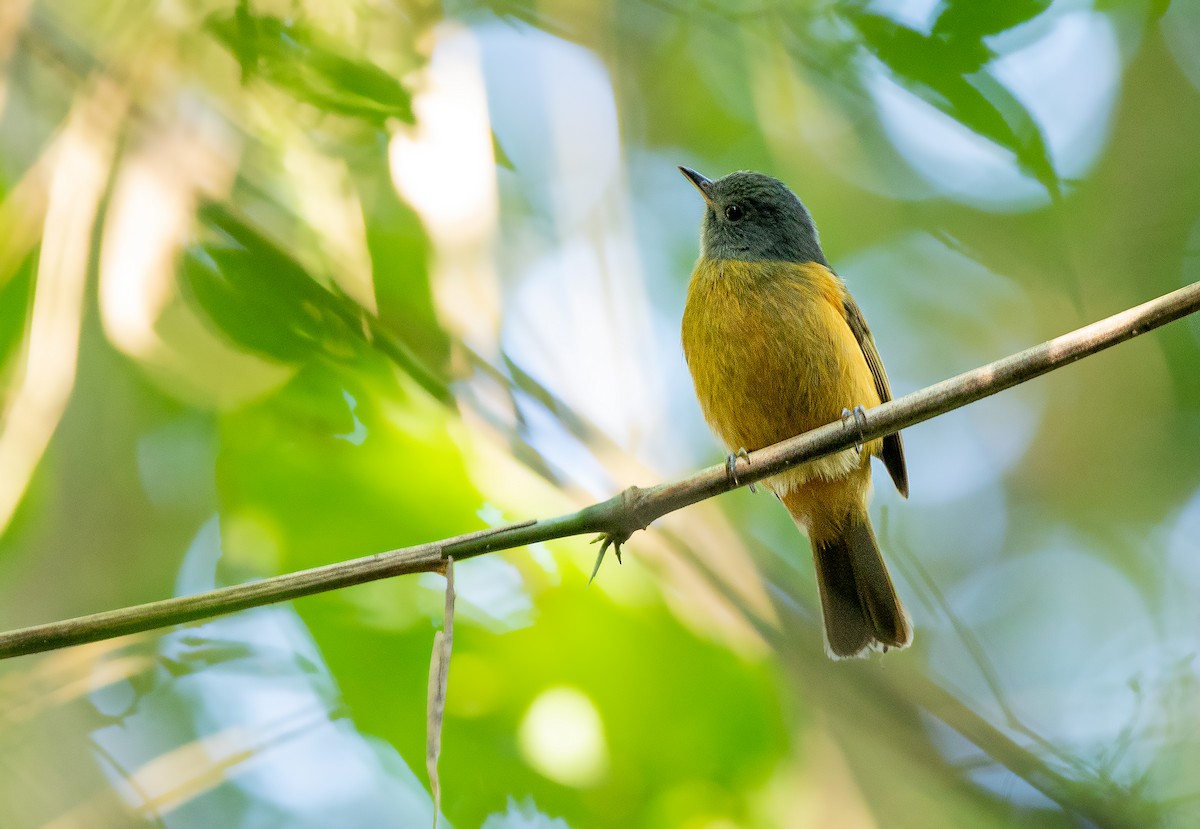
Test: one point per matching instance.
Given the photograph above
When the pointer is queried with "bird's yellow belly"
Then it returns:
(771, 356)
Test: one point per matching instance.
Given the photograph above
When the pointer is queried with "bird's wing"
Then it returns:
(893, 447)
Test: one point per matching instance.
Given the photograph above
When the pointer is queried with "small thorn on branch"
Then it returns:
(622, 516)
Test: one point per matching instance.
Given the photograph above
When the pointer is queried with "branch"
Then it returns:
(635, 508)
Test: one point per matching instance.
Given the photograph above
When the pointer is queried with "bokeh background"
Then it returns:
(286, 282)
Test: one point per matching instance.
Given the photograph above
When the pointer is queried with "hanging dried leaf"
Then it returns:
(439, 672)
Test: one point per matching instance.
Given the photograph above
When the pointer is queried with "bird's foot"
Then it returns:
(731, 466)
(860, 420)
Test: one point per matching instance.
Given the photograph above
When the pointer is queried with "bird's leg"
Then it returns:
(731, 466)
(860, 420)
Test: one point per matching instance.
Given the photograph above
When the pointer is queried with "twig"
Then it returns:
(632, 510)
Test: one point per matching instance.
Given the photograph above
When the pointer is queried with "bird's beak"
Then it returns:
(704, 185)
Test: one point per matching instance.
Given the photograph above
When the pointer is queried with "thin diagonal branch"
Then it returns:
(632, 510)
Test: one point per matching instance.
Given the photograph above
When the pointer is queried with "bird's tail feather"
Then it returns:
(861, 609)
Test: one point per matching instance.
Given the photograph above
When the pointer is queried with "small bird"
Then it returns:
(776, 346)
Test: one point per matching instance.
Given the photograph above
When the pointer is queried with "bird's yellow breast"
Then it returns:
(771, 353)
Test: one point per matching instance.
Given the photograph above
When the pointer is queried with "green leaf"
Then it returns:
(268, 303)
(970, 20)
(502, 158)
(914, 55)
(302, 63)
(949, 72)
(260, 297)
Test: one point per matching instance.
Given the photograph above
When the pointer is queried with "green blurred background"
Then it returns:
(287, 282)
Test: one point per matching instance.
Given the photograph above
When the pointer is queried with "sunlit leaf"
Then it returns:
(15, 297)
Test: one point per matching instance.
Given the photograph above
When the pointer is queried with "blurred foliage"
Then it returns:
(290, 55)
(285, 282)
(948, 69)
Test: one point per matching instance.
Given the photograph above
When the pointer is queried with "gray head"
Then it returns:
(754, 217)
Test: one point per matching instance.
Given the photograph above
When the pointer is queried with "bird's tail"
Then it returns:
(861, 609)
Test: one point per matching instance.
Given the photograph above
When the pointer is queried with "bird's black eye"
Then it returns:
(734, 212)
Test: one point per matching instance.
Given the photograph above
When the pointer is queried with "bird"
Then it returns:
(776, 346)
